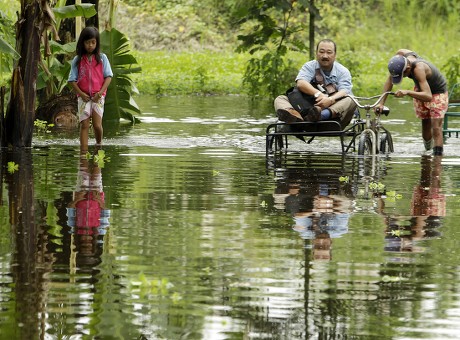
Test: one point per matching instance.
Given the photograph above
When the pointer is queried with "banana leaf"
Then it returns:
(56, 73)
(8, 49)
(72, 11)
(119, 100)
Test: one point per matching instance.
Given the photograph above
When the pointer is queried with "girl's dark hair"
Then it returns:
(86, 34)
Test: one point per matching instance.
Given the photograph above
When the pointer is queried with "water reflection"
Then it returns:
(320, 200)
(30, 262)
(427, 209)
(322, 208)
(327, 220)
(88, 218)
(48, 231)
(199, 250)
(428, 199)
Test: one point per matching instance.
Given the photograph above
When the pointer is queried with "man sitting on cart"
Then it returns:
(322, 86)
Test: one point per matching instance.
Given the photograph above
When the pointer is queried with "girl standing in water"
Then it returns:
(90, 76)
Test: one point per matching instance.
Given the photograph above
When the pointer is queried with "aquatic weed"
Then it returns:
(42, 126)
(12, 167)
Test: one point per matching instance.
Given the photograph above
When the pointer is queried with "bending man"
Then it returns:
(429, 95)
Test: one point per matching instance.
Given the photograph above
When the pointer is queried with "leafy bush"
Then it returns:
(7, 43)
(452, 72)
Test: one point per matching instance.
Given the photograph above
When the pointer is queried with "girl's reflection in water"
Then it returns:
(87, 215)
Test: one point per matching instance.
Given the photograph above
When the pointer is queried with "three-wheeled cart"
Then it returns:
(369, 131)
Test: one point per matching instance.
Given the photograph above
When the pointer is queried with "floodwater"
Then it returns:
(181, 229)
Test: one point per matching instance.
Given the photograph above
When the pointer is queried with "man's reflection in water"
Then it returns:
(321, 211)
(87, 215)
(327, 220)
(428, 206)
(427, 199)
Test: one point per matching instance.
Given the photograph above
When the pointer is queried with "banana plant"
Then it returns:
(72, 11)
(119, 101)
(7, 54)
(54, 73)
(7, 51)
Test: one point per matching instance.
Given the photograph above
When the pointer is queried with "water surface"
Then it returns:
(199, 237)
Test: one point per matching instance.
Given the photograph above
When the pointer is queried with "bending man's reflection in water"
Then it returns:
(427, 198)
(87, 214)
(428, 206)
(321, 212)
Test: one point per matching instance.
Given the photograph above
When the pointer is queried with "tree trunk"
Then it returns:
(311, 33)
(94, 20)
(20, 114)
(33, 265)
(2, 116)
(60, 110)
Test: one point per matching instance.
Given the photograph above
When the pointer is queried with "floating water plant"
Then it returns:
(162, 287)
(393, 196)
(42, 126)
(12, 167)
(100, 158)
(344, 179)
(399, 233)
(376, 186)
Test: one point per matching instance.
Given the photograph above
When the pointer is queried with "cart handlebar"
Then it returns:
(370, 106)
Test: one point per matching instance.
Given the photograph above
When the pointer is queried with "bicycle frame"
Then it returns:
(372, 125)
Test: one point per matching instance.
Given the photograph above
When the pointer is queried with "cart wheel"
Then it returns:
(275, 139)
(365, 144)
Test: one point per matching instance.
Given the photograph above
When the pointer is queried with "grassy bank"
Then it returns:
(183, 73)
(221, 73)
(367, 34)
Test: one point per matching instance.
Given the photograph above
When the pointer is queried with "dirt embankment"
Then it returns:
(177, 30)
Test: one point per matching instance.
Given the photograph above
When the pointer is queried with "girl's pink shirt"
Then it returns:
(90, 76)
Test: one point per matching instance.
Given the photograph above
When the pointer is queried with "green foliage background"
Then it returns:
(189, 46)
(368, 33)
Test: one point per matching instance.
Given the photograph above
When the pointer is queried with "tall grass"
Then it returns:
(428, 27)
(367, 34)
(185, 73)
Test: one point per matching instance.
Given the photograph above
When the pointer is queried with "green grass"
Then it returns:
(182, 73)
(367, 34)
(179, 73)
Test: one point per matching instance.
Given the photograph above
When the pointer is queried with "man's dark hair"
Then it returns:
(327, 41)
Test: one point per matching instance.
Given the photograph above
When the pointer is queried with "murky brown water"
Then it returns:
(181, 231)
